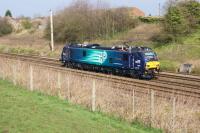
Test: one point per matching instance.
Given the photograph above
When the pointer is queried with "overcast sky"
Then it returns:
(33, 8)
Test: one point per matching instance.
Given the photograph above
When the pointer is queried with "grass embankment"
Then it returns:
(22, 111)
(188, 51)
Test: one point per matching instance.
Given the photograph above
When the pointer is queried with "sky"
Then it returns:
(34, 8)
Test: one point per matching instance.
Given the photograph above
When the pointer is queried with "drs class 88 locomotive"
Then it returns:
(137, 62)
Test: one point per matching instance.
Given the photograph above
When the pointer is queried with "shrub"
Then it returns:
(163, 38)
(191, 11)
(182, 17)
(5, 27)
(150, 19)
(175, 22)
(26, 24)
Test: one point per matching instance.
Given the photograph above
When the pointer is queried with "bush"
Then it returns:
(163, 38)
(150, 19)
(175, 22)
(26, 24)
(83, 22)
(191, 11)
(5, 27)
(183, 17)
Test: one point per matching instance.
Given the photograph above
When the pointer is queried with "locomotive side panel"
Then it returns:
(103, 58)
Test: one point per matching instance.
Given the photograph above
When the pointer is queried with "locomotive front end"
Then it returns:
(152, 64)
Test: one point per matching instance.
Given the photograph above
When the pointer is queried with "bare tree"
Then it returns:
(83, 21)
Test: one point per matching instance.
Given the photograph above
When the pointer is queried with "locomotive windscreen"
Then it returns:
(150, 56)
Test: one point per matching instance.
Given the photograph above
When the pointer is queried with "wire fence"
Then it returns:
(173, 113)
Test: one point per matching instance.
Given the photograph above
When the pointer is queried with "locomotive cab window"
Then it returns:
(125, 57)
(84, 53)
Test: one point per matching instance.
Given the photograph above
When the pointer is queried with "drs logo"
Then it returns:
(103, 57)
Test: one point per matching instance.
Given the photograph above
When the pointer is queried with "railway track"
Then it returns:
(165, 83)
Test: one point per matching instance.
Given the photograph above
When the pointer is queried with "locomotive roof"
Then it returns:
(92, 46)
(125, 48)
(141, 49)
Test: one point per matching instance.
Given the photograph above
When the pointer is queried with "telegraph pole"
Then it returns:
(52, 37)
(159, 9)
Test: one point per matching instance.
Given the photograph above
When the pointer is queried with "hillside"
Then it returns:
(174, 54)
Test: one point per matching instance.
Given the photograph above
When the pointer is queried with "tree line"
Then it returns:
(82, 21)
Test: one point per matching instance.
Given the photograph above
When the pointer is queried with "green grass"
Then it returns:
(169, 65)
(186, 51)
(22, 111)
(193, 39)
(171, 56)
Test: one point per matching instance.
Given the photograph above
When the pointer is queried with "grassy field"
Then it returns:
(22, 111)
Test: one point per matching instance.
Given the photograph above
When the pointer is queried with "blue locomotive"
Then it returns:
(138, 62)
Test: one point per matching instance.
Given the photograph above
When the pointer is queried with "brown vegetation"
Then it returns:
(5, 27)
(174, 113)
(82, 21)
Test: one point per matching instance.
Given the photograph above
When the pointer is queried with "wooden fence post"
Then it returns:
(173, 114)
(93, 96)
(133, 104)
(68, 88)
(152, 110)
(3, 75)
(31, 77)
(59, 80)
(14, 74)
(1, 70)
(48, 79)
(18, 73)
(59, 85)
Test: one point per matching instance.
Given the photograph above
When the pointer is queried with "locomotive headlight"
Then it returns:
(147, 66)
(158, 66)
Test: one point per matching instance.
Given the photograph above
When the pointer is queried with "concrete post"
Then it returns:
(14, 74)
(152, 110)
(68, 89)
(133, 104)
(52, 35)
(174, 115)
(93, 96)
(31, 77)
(59, 85)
